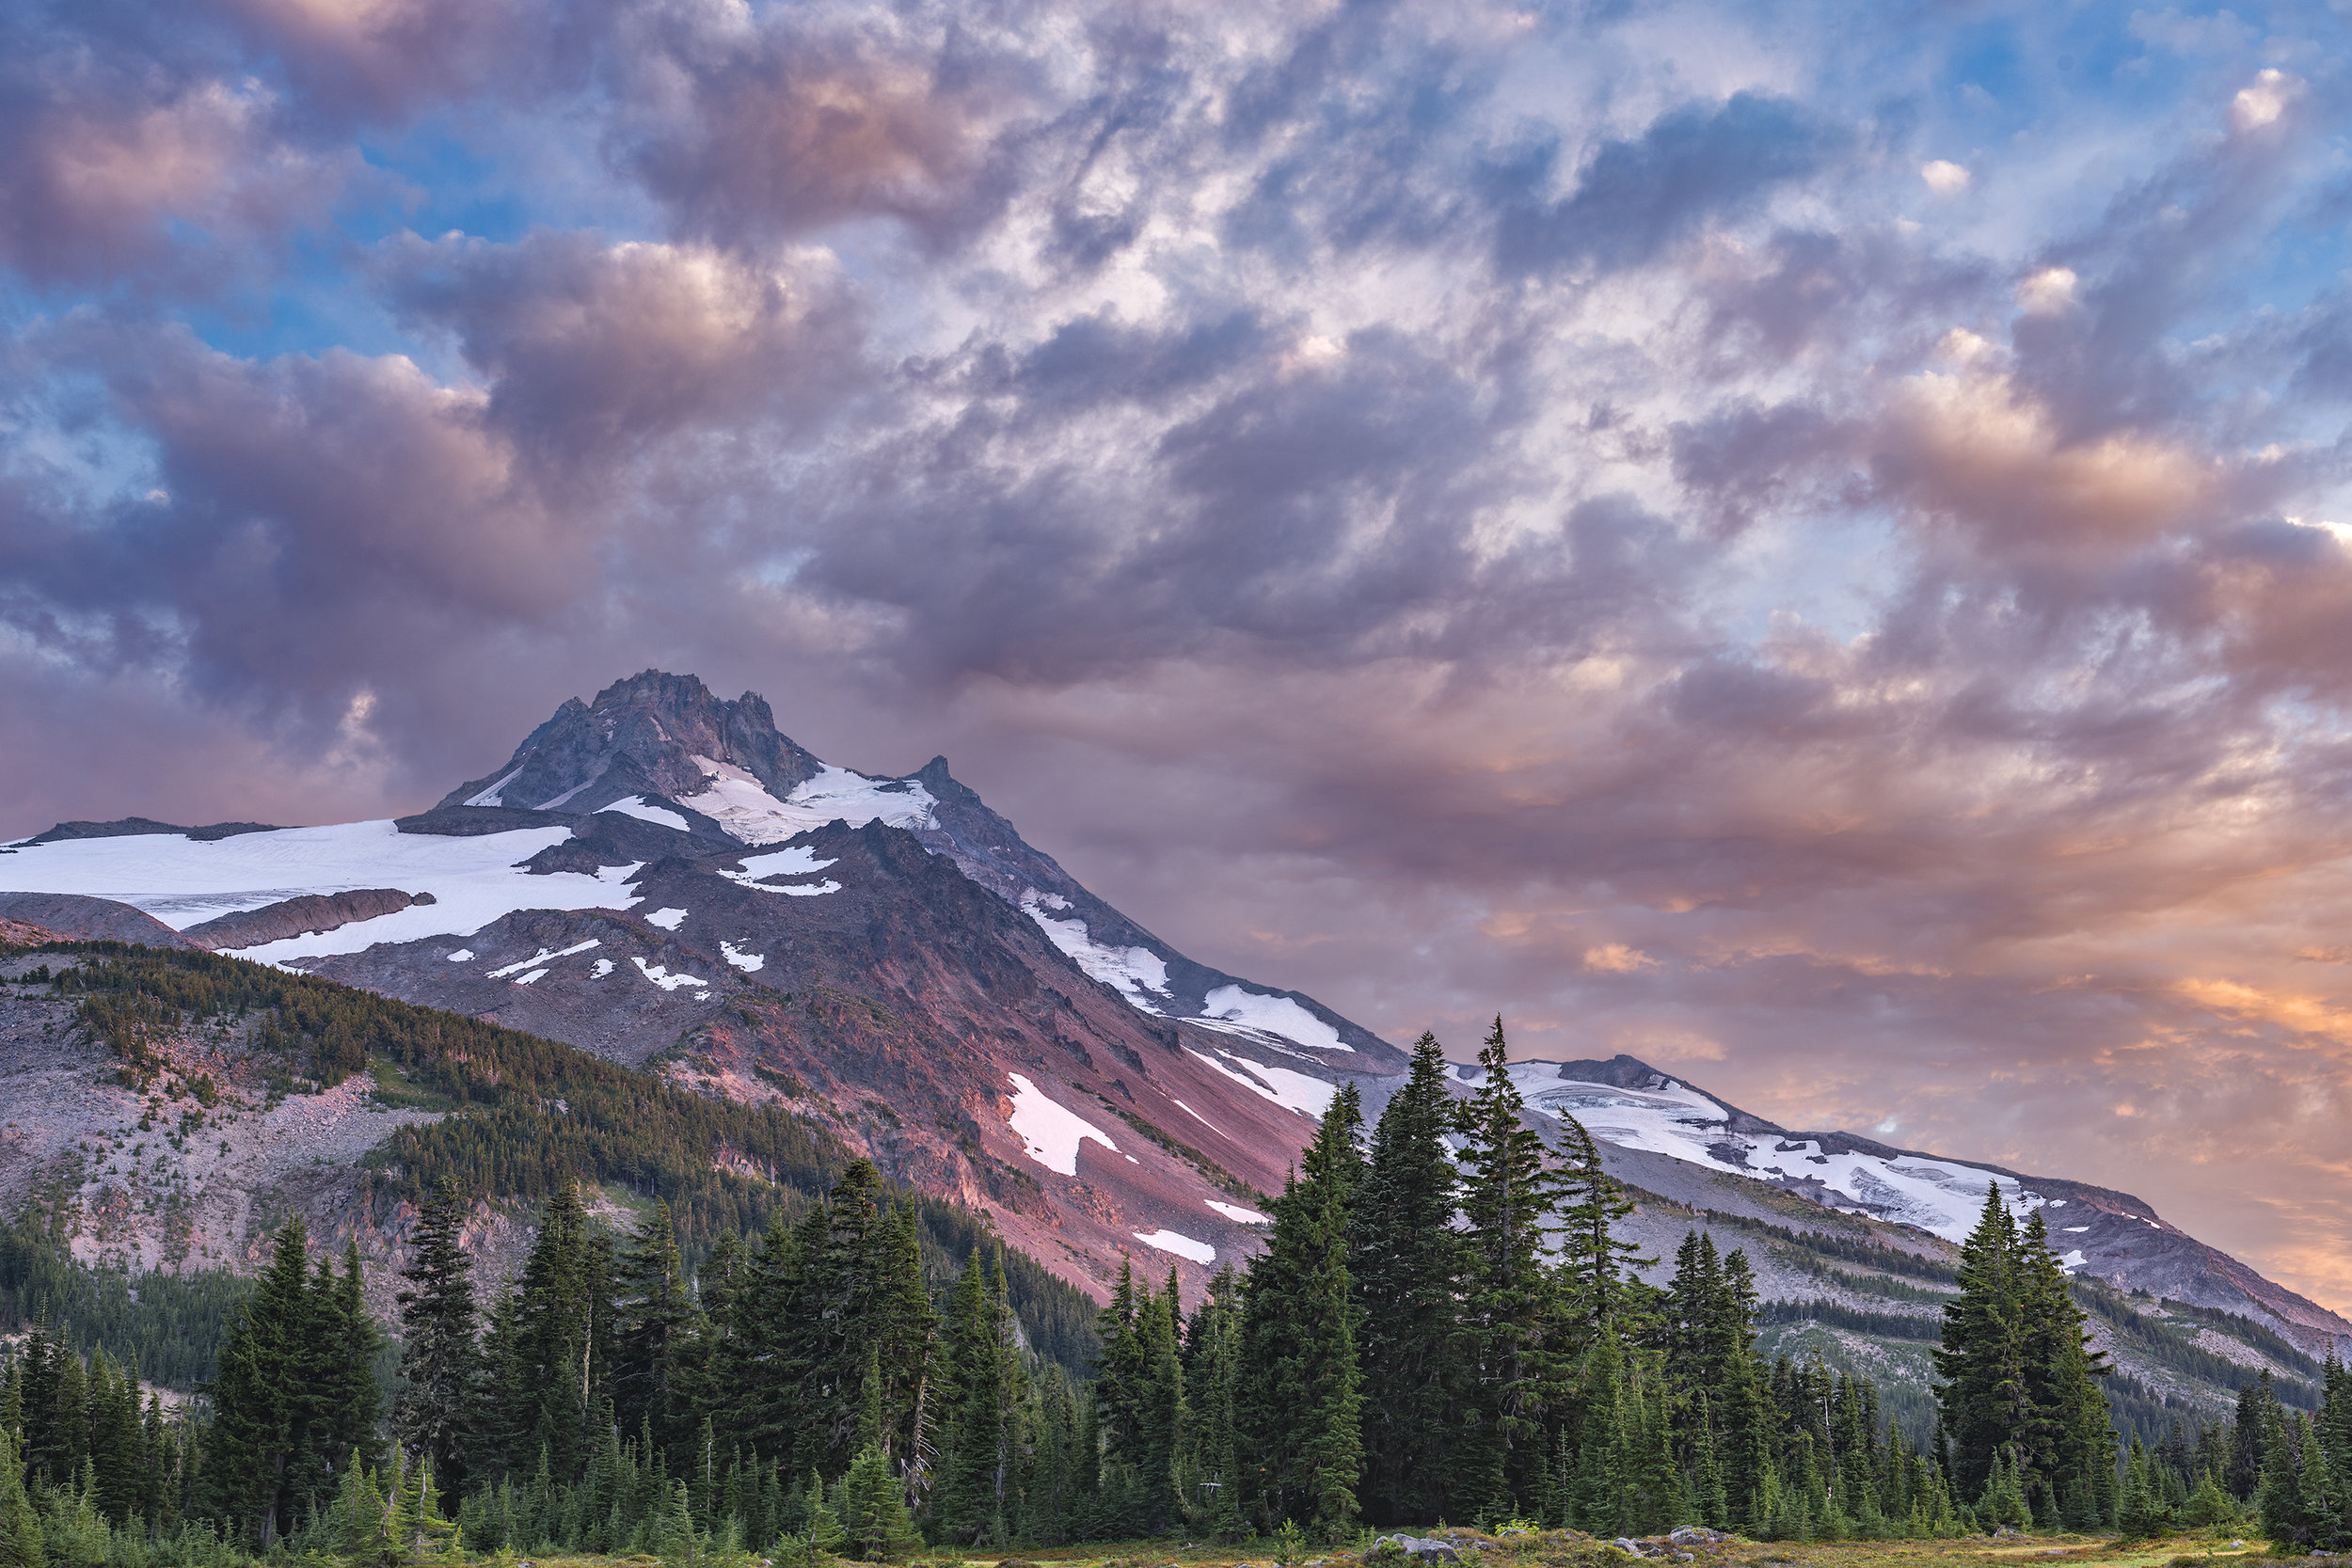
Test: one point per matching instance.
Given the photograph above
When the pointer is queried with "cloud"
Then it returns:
(1944, 177)
(1637, 195)
(778, 128)
(154, 168)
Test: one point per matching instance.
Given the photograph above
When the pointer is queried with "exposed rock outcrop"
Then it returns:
(298, 917)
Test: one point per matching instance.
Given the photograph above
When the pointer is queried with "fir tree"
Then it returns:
(1408, 1262)
(974, 1501)
(1209, 1469)
(440, 1357)
(20, 1544)
(659, 1339)
(1512, 1356)
(1300, 1409)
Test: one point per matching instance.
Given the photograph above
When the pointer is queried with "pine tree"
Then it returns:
(872, 1506)
(21, 1543)
(440, 1357)
(1300, 1410)
(271, 1411)
(1408, 1261)
(2280, 1499)
(1510, 1302)
(544, 1343)
(975, 1501)
(659, 1339)
(1209, 1470)
(1985, 1399)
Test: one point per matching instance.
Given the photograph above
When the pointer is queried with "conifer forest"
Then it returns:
(1446, 1324)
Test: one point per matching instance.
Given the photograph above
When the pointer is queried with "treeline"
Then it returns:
(92, 1474)
(167, 1330)
(537, 1115)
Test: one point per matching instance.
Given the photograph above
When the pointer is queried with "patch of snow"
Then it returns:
(461, 955)
(1240, 1215)
(669, 920)
(534, 974)
(1132, 971)
(1198, 1118)
(604, 967)
(490, 796)
(748, 962)
(180, 880)
(644, 810)
(660, 975)
(1179, 1244)
(563, 800)
(1236, 1011)
(2071, 1228)
(1308, 1097)
(2072, 1261)
(741, 804)
(1676, 1120)
(799, 861)
(702, 996)
(1051, 1131)
(543, 956)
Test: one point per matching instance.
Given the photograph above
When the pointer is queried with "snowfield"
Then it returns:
(1294, 1091)
(1140, 976)
(1052, 1132)
(182, 883)
(1136, 972)
(741, 804)
(1248, 1012)
(1179, 1244)
(636, 806)
(1940, 1196)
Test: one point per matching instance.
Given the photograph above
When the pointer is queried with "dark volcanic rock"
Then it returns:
(475, 821)
(640, 737)
(84, 919)
(142, 827)
(294, 917)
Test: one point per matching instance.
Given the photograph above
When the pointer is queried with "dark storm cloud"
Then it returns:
(1635, 197)
(1720, 546)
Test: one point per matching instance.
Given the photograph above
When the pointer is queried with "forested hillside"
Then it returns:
(758, 1343)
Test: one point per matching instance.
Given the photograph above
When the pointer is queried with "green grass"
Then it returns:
(395, 1093)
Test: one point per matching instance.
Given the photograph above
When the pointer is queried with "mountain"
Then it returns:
(1854, 1240)
(662, 878)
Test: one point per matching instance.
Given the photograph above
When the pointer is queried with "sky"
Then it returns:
(1812, 545)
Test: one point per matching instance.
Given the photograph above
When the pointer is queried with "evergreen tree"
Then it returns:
(295, 1395)
(1408, 1262)
(660, 1341)
(20, 1544)
(544, 1344)
(1511, 1317)
(872, 1505)
(439, 1359)
(975, 1501)
(1209, 1470)
(1985, 1398)
(1300, 1409)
